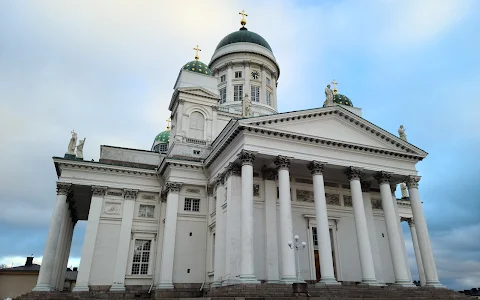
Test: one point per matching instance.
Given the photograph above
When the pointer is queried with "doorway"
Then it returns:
(317, 257)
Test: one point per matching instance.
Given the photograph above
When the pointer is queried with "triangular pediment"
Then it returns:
(199, 91)
(334, 124)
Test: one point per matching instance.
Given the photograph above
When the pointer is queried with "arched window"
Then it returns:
(197, 124)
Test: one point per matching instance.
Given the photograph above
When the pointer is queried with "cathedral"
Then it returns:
(235, 192)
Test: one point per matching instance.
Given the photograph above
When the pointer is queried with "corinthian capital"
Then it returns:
(354, 173)
(366, 186)
(233, 169)
(99, 191)
(130, 194)
(316, 167)
(283, 162)
(63, 188)
(269, 174)
(412, 182)
(247, 157)
(383, 177)
(173, 187)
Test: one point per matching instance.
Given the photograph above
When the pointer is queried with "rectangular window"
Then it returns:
(141, 257)
(255, 93)
(146, 211)
(238, 92)
(223, 95)
(267, 98)
(191, 204)
(238, 74)
(268, 81)
(213, 252)
(223, 78)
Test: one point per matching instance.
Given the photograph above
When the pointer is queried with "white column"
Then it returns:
(123, 247)
(59, 257)
(394, 238)
(68, 242)
(372, 232)
(89, 240)
(393, 187)
(263, 91)
(247, 268)
(271, 231)
(229, 81)
(233, 234)
(246, 75)
(416, 248)
(49, 254)
(288, 275)
(170, 230)
(219, 266)
(431, 276)
(323, 232)
(364, 249)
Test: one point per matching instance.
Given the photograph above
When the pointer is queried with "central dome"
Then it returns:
(243, 36)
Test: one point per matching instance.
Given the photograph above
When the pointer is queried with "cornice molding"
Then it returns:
(96, 166)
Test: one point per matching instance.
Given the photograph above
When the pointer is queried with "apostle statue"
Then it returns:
(401, 133)
(403, 188)
(247, 106)
(73, 143)
(329, 95)
(80, 148)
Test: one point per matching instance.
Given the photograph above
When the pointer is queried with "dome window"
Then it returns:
(223, 95)
(238, 74)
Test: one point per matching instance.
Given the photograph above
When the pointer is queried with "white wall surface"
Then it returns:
(105, 253)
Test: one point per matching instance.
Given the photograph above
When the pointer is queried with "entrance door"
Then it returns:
(317, 256)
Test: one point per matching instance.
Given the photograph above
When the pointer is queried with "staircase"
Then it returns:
(260, 292)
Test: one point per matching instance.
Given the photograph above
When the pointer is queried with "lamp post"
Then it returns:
(297, 247)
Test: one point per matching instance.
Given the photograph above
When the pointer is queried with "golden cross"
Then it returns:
(196, 52)
(168, 123)
(243, 22)
(334, 86)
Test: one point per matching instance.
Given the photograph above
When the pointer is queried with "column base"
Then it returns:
(272, 281)
(249, 279)
(231, 281)
(288, 280)
(435, 284)
(42, 288)
(165, 286)
(405, 284)
(327, 281)
(216, 284)
(117, 287)
(81, 288)
(371, 282)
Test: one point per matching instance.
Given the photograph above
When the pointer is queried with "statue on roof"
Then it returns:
(80, 145)
(403, 188)
(401, 133)
(329, 95)
(247, 107)
(73, 143)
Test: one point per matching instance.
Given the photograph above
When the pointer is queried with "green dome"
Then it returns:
(342, 99)
(163, 137)
(243, 36)
(197, 66)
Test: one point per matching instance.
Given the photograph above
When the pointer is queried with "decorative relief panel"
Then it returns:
(148, 197)
(303, 180)
(347, 201)
(193, 191)
(376, 204)
(332, 199)
(117, 194)
(112, 208)
(306, 196)
(256, 190)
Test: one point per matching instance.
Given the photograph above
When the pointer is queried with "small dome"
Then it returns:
(342, 99)
(243, 36)
(163, 137)
(198, 67)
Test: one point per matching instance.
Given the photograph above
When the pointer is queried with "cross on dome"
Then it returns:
(243, 22)
(196, 52)
(335, 86)
(169, 121)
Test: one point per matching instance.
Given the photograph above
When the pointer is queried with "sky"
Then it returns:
(107, 68)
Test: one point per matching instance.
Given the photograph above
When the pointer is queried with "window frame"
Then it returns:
(223, 78)
(191, 204)
(146, 216)
(238, 92)
(255, 93)
(238, 74)
(268, 97)
(223, 95)
(153, 244)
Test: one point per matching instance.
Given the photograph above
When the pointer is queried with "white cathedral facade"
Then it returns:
(220, 196)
